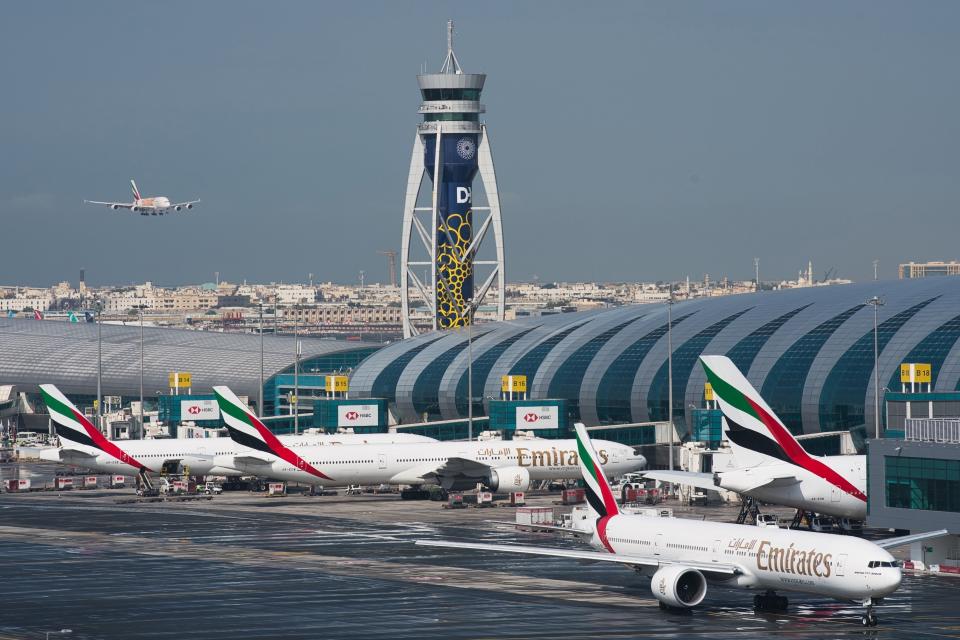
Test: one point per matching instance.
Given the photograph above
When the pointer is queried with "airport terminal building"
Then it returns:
(808, 350)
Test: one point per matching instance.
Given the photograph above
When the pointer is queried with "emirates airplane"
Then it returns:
(501, 465)
(83, 445)
(682, 556)
(769, 464)
(156, 206)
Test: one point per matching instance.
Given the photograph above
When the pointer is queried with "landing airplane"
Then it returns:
(501, 466)
(156, 206)
(770, 465)
(83, 445)
(682, 556)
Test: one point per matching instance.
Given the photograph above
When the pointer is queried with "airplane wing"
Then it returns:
(543, 527)
(458, 467)
(119, 205)
(254, 459)
(904, 540)
(690, 478)
(575, 554)
(184, 204)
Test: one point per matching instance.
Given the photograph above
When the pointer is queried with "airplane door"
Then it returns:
(841, 562)
(716, 551)
(657, 544)
(382, 459)
(834, 494)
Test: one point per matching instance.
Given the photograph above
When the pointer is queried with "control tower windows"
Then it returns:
(450, 94)
(468, 117)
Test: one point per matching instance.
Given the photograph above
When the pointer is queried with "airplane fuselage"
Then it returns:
(810, 491)
(201, 456)
(517, 462)
(842, 567)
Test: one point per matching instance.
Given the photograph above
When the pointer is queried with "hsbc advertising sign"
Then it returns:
(199, 410)
(357, 415)
(538, 417)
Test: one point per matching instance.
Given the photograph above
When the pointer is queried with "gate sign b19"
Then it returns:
(546, 417)
(199, 410)
(357, 415)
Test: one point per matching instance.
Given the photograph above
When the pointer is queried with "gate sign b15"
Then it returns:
(546, 417)
(357, 415)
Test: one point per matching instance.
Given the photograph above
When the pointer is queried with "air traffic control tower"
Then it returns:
(444, 278)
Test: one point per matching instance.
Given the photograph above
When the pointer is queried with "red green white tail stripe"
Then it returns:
(598, 493)
(246, 429)
(753, 425)
(74, 427)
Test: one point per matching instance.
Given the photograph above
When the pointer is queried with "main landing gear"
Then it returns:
(770, 601)
(869, 618)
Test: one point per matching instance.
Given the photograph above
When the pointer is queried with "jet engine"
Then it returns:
(509, 479)
(134, 209)
(179, 207)
(114, 207)
(678, 586)
(189, 206)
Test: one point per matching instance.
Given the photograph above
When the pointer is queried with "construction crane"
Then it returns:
(392, 258)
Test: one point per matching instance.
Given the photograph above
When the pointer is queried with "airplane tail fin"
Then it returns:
(246, 429)
(37, 314)
(756, 435)
(11, 313)
(72, 317)
(76, 432)
(136, 192)
(599, 495)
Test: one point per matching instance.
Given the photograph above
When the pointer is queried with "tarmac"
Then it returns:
(249, 566)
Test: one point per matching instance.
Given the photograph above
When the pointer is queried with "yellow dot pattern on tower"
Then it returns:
(453, 270)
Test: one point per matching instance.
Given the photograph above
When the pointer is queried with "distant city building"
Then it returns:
(911, 270)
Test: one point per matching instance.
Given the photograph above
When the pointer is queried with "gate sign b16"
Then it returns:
(199, 410)
(357, 415)
(546, 417)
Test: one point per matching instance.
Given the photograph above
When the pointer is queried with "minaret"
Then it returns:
(451, 146)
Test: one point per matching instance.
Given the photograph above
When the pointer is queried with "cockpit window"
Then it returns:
(873, 564)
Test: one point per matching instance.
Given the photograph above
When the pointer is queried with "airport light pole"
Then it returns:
(670, 370)
(99, 368)
(756, 272)
(140, 308)
(876, 302)
(260, 405)
(296, 370)
(61, 632)
(470, 370)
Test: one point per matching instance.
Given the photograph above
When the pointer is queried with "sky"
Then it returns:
(632, 140)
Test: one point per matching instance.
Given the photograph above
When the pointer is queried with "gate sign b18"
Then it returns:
(546, 417)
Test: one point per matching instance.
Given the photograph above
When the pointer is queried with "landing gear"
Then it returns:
(770, 601)
(869, 618)
(798, 519)
(414, 493)
(749, 509)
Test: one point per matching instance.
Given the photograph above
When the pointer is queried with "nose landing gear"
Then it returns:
(869, 618)
(770, 601)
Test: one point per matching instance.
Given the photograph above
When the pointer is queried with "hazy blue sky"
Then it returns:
(632, 140)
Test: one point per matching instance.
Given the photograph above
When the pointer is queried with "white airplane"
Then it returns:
(156, 206)
(501, 466)
(682, 556)
(769, 464)
(83, 445)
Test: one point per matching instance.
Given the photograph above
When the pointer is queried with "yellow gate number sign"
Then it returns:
(707, 391)
(915, 372)
(515, 384)
(338, 384)
(179, 379)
